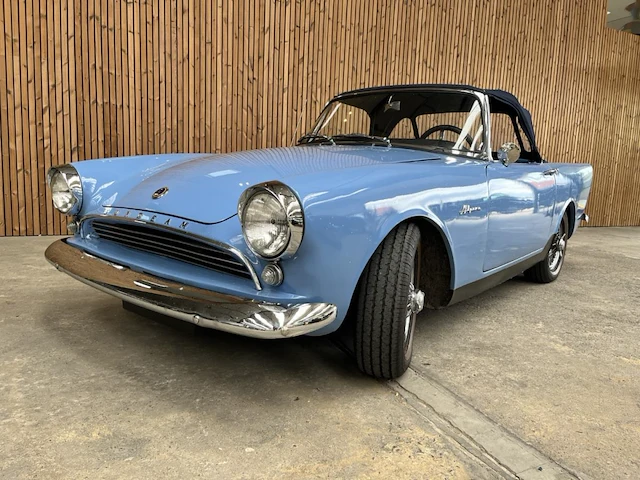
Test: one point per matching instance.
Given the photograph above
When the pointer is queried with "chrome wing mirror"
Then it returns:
(509, 153)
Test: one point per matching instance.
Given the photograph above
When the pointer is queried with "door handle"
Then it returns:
(551, 171)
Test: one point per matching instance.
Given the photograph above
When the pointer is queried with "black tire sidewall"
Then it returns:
(381, 306)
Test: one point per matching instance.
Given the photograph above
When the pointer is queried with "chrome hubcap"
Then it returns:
(416, 300)
(415, 304)
(557, 251)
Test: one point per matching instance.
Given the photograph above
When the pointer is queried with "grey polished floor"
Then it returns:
(558, 365)
(88, 389)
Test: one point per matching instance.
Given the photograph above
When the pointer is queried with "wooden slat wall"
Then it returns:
(84, 79)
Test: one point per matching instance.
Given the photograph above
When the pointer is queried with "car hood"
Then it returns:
(206, 188)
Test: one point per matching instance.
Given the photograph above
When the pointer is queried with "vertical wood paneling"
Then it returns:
(29, 114)
(38, 157)
(9, 119)
(16, 94)
(5, 201)
(100, 78)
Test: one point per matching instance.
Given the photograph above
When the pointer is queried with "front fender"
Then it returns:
(346, 223)
(417, 215)
(329, 264)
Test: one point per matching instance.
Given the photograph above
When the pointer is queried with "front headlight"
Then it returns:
(66, 189)
(272, 220)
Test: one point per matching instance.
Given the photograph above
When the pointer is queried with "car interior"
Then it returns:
(441, 120)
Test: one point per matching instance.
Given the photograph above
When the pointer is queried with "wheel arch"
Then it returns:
(436, 264)
(570, 211)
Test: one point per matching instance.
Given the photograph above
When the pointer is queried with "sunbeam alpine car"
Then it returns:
(400, 197)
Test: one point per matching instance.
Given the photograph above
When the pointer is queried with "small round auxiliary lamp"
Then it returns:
(272, 275)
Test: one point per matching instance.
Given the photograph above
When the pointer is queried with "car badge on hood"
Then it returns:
(161, 192)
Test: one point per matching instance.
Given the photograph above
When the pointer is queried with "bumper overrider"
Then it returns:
(202, 307)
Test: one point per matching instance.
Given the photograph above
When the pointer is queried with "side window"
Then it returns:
(502, 131)
(526, 145)
(404, 129)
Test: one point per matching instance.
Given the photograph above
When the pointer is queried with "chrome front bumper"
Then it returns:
(203, 307)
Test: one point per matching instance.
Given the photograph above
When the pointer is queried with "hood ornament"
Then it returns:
(161, 192)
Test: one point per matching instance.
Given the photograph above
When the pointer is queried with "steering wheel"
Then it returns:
(446, 128)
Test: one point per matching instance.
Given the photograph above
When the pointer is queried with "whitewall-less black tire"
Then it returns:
(387, 303)
(547, 270)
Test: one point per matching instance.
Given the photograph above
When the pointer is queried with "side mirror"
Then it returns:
(509, 152)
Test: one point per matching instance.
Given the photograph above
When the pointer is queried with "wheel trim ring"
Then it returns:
(557, 251)
(410, 318)
(409, 315)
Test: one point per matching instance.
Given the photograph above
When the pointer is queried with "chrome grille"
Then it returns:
(171, 244)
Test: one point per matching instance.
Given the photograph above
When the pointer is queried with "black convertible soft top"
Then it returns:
(500, 101)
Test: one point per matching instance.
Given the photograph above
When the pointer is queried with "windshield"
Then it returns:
(431, 120)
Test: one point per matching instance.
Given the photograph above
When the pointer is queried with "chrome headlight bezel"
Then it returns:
(292, 209)
(70, 176)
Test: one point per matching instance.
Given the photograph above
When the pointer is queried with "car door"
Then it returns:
(521, 204)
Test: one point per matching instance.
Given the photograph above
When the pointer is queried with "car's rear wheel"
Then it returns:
(387, 303)
(548, 270)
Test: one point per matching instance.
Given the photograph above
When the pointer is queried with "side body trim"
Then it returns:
(474, 288)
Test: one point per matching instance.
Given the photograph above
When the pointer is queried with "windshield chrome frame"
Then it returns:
(482, 98)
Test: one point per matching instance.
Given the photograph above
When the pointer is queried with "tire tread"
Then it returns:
(381, 304)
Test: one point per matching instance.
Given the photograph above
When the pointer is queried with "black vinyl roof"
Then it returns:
(500, 101)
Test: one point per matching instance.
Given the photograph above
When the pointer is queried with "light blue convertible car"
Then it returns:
(400, 197)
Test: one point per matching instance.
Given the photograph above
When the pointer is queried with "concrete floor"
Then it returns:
(559, 364)
(88, 389)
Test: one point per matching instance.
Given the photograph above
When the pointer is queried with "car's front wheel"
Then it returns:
(387, 303)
